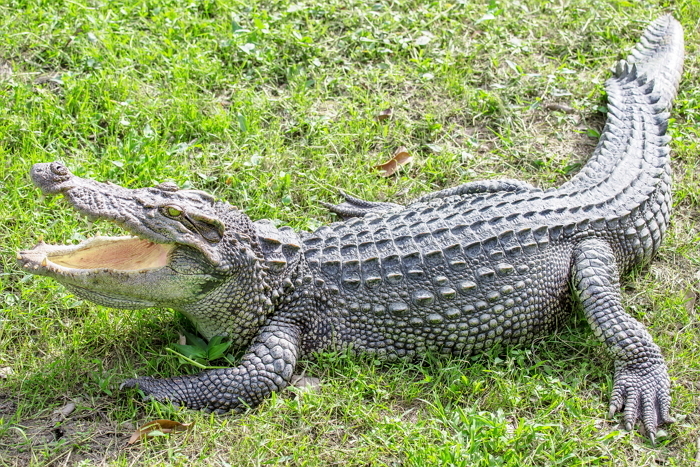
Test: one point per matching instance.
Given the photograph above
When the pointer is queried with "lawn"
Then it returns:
(274, 107)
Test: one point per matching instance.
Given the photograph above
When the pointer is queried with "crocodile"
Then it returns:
(456, 271)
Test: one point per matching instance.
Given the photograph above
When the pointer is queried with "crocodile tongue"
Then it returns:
(109, 254)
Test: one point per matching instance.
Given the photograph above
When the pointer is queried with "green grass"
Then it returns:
(271, 106)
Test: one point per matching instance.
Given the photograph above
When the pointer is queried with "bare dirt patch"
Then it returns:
(87, 435)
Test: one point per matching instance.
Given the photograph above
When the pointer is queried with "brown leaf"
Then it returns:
(400, 157)
(5, 70)
(5, 372)
(182, 340)
(46, 78)
(63, 413)
(306, 382)
(690, 298)
(163, 426)
(384, 115)
(560, 108)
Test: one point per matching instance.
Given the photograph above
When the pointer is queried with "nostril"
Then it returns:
(58, 168)
(52, 177)
(168, 186)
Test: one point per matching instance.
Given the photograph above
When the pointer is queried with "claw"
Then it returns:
(356, 207)
(642, 394)
(133, 382)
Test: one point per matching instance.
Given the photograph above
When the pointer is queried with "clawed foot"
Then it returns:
(211, 390)
(163, 390)
(642, 392)
(356, 207)
(148, 386)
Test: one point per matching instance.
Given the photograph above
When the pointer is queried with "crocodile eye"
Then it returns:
(172, 211)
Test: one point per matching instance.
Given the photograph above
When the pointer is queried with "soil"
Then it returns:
(51, 439)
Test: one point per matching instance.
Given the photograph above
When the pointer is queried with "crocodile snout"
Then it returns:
(51, 177)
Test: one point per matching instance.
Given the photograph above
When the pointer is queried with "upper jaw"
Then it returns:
(132, 209)
(113, 255)
(135, 210)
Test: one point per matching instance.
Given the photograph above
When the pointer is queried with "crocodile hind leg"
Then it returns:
(356, 207)
(641, 382)
(479, 187)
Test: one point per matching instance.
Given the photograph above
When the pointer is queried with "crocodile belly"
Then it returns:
(413, 309)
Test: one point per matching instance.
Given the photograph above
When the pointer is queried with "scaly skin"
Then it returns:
(457, 271)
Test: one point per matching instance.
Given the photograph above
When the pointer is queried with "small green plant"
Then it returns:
(199, 353)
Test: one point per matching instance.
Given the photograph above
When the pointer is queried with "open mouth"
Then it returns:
(123, 254)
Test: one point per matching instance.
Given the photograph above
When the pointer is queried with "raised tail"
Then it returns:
(659, 57)
(640, 94)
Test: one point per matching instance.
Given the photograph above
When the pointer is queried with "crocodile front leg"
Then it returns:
(641, 382)
(267, 367)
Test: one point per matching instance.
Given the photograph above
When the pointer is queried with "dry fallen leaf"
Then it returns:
(182, 340)
(5, 372)
(400, 157)
(384, 115)
(5, 70)
(63, 413)
(158, 426)
(560, 108)
(690, 300)
(306, 382)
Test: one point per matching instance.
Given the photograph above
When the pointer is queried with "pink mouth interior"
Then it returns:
(119, 254)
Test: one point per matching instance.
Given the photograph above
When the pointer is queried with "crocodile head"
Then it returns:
(183, 244)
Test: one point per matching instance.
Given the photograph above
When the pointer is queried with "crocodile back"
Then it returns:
(442, 276)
